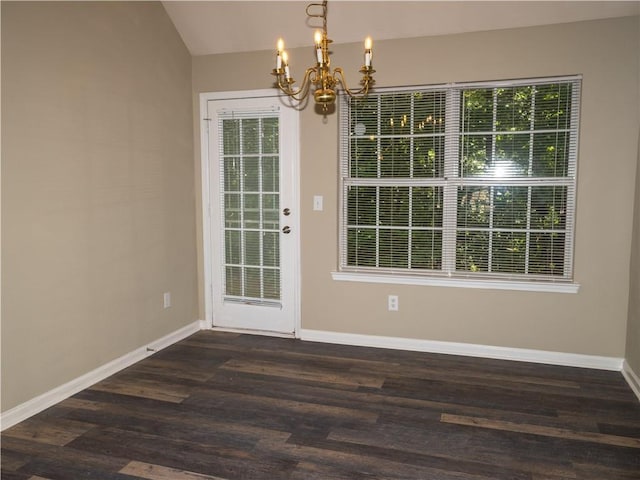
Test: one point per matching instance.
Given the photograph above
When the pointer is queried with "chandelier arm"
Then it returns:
(366, 82)
(302, 92)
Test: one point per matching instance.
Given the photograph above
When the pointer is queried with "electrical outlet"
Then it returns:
(166, 299)
(392, 302)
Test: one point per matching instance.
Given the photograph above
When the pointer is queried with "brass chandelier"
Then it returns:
(320, 77)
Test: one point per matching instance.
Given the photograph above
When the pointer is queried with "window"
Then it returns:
(464, 181)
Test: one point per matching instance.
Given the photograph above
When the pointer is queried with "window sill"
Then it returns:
(457, 282)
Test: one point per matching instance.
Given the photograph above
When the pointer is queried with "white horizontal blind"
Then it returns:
(461, 180)
(250, 204)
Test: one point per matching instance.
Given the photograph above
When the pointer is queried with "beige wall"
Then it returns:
(633, 327)
(594, 321)
(97, 188)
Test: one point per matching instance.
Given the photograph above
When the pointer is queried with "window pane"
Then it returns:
(252, 283)
(362, 206)
(364, 115)
(251, 248)
(394, 248)
(477, 110)
(428, 157)
(395, 159)
(508, 252)
(553, 106)
(270, 137)
(271, 249)
(474, 206)
(546, 253)
(271, 284)
(394, 206)
(232, 247)
(551, 154)
(232, 174)
(511, 156)
(549, 208)
(472, 251)
(510, 207)
(231, 137)
(251, 136)
(361, 247)
(252, 211)
(364, 158)
(270, 176)
(270, 212)
(429, 112)
(251, 177)
(232, 213)
(395, 114)
(426, 249)
(427, 207)
(475, 155)
(233, 281)
(513, 109)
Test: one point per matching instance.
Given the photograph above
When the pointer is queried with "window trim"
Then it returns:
(460, 279)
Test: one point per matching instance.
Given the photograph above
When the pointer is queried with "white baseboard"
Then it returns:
(50, 398)
(632, 378)
(465, 349)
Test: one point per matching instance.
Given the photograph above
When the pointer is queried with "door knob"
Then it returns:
(286, 229)
(286, 212)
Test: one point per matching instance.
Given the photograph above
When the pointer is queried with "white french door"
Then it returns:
(252, 145)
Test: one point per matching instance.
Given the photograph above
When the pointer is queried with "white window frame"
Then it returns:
(452, 181)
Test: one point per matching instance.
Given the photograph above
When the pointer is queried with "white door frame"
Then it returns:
(207, 254)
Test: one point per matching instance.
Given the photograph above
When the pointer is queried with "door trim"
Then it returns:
(207, 254)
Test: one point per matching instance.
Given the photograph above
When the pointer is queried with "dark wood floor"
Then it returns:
(228, 406)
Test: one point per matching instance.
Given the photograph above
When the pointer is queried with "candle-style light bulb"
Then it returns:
(285, 61)
(318, 40)
(367, 52)
(280, 48)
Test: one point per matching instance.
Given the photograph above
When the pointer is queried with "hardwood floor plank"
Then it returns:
(305, 371)
(542, 431)
(158, 472)
(156, 392)
(51, 430)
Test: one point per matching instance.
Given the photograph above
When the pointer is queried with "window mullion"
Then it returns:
(530, 174)
(492, 190)
(452, 180)
(378, 175)
(412, 120)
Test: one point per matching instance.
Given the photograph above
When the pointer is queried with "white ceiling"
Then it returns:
(209, 27)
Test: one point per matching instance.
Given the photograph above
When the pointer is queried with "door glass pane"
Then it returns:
(251, 194)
